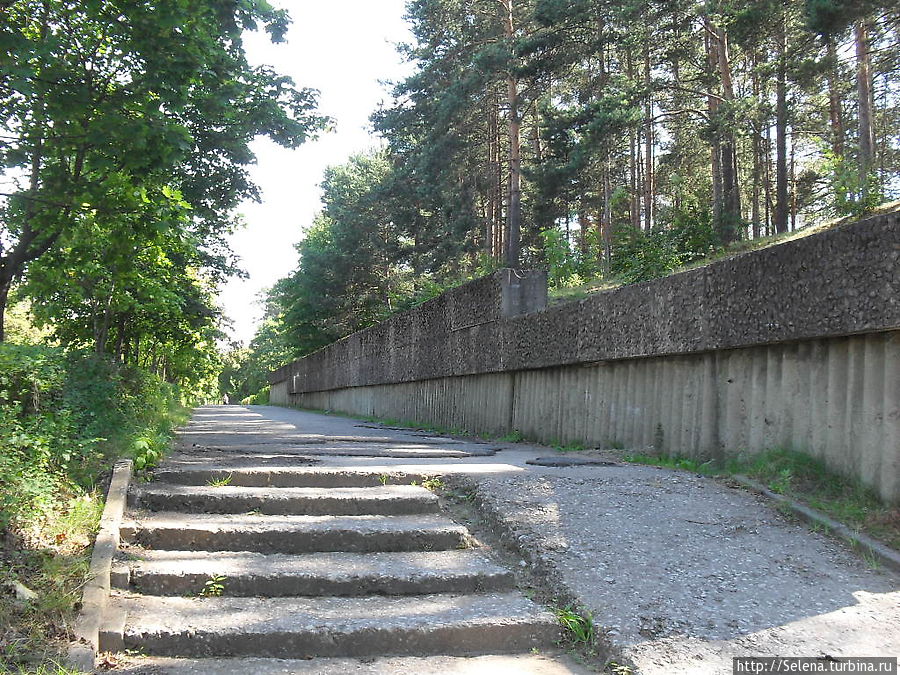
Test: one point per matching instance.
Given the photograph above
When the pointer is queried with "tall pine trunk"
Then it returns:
(835, 113)
(781, 122)
(864, 94)
(715, 151)
(731, 193)
(649, 186)
(514, 216)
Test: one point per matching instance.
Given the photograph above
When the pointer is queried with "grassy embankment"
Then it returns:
(65, 418)
(582, 289)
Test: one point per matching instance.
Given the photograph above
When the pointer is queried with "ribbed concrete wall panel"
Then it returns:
(836, 399)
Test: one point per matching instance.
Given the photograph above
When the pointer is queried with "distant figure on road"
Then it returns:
(225, 400)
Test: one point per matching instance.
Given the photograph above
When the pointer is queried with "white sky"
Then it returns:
(343, 48)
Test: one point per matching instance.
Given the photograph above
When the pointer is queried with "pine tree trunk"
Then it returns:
(793, 184)
(715, 151)
(584, 226)
(634, 204)
(731, 193)
(835, 113)
(491, 205)
(606, 219)
(756, 142)
(767, 182)
(864, 94)
(648, 144)
(514, 217)
(781, 114)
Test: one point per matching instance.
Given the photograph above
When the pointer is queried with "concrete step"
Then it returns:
(491, 664)
(263, 474)
(249, 574)
(293, 534)
(329, 626)
(380, 500)
(423, 451)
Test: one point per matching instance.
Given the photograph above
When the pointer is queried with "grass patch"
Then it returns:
(807, 480)
(55, 572)
(573, 446)
(579, 628)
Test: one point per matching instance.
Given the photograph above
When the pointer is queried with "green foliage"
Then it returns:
(259, 398)
(579, 627)
(433, 483)
(515, 436)
(640, 255)
(65, 415)
(573, 446)
(850, 194)
(213, 587)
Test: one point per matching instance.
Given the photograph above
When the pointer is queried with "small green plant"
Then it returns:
(514, 436)
(383, 479)
(579, 627)
(617, 668)
(219, 482)
(433, 483)
(214, 587)
(148, 450)
(868, 555)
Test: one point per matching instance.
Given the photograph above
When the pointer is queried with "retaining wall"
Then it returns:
(793, 346)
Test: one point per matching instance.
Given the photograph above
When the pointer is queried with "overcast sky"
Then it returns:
(343, 48)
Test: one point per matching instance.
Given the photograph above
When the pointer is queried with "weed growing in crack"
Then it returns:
(433, 483)
(579, 627)
(219, 482)
(214, 587)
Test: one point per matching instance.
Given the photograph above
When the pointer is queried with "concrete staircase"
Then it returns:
(310, 562)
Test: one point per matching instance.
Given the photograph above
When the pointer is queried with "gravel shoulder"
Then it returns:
(683, 572)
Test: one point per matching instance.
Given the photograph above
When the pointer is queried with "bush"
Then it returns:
(259, 398)
(640, 255)
(65, 416)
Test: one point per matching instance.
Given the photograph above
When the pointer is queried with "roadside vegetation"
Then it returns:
(125, 152)
(66, 415)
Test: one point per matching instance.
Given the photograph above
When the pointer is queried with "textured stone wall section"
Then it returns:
(843, 281)
(456, 332)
